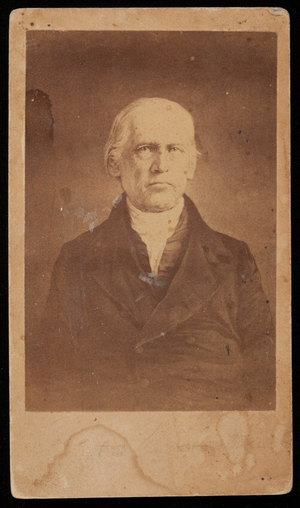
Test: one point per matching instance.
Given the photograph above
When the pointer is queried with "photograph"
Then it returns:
(134, 301)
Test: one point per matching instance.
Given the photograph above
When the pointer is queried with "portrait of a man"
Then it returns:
(153, 309)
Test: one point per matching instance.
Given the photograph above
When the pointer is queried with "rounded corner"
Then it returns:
(15, 14)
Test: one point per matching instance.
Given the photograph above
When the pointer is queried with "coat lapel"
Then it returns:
(113, 263)
(204, 267)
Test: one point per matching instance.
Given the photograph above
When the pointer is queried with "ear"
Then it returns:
(194, 156)
(192, 167)
(113, 167)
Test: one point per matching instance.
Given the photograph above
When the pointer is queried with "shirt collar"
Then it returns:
(153, 224)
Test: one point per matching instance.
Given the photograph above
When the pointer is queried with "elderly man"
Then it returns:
(153, 310)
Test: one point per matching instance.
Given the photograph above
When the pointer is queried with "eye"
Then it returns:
(144, 149)
(174, 149)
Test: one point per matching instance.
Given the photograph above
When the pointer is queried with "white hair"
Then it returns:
(120, 131)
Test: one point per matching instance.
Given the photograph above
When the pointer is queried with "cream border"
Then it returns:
(44, 446)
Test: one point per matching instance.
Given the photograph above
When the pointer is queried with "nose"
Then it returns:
(160, 163)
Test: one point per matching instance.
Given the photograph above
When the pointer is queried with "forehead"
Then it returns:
(163, 125)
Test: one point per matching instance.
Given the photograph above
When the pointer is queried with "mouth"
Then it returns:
(158, 183)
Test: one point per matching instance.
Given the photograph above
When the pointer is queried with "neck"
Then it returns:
(155, 224)
(133, 209)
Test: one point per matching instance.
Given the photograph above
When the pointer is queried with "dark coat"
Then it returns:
(208, 344)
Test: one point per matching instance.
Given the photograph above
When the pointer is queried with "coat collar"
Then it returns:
(113, 263)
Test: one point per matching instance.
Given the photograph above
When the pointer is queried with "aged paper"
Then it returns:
(150, 345)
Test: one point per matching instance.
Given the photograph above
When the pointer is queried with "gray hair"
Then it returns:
(120, 131)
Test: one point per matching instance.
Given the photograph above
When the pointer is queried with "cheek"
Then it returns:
(140, 170)
(132, 177)
(128, 170)
(181, 170)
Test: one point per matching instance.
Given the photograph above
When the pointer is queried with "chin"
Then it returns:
(160, 202)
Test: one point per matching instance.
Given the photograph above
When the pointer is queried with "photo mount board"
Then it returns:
(73, 454)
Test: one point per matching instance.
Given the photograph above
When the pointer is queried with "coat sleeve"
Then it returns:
(257, 333)
(53, 357)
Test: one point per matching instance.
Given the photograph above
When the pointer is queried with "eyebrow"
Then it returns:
(146, 143)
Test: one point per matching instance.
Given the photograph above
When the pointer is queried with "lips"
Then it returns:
(158, 183)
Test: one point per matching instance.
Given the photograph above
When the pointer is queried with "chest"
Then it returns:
(121, 322)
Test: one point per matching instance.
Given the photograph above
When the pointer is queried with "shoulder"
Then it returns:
(214, 239)
(219, 246)
(239, 255)
(88, 244)
(101, 238)
(237, 248)
(93, 248)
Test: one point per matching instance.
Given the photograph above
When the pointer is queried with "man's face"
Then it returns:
(157, 161)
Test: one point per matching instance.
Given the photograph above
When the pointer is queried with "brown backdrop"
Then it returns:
(78, 81)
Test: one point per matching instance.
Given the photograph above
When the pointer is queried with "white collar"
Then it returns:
(155, 229)
(155, 223)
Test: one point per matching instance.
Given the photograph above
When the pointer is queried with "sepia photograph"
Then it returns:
(150, 220)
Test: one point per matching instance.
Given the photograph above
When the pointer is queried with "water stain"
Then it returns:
(95, 461)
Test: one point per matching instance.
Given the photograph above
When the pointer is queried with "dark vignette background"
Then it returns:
(78, 81)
